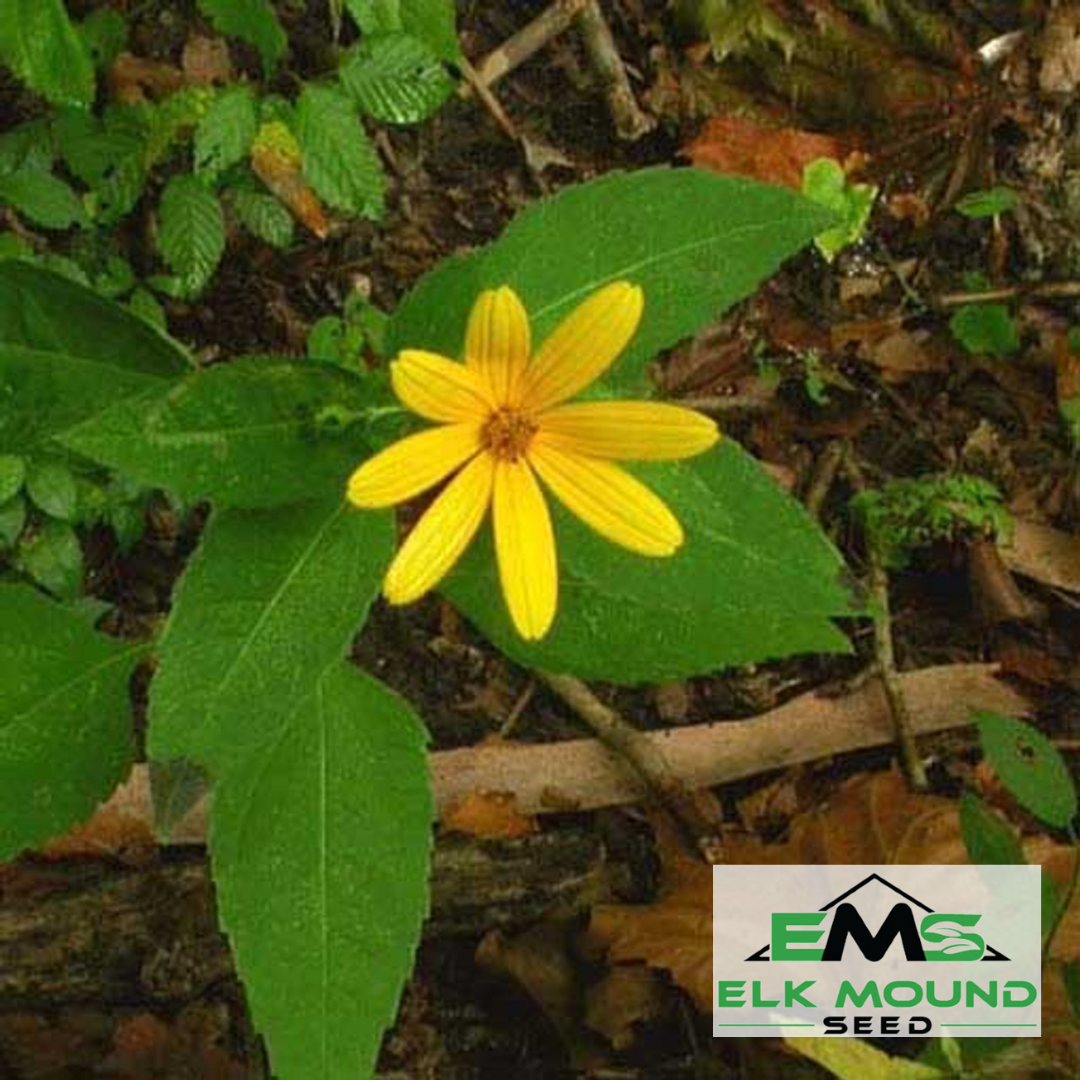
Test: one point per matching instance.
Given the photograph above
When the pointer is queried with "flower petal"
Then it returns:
(437, 388)
(609, 500)
(497, 341)
(412, 465)
(443, 532)
(627, 430)
(583, 345)
(525, 548)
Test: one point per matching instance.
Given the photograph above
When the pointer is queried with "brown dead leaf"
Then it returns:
(540, 962)
(206, 61)
(489, 815)
(110, 833)
(133, 79)
(1044, 553)
(277, 161)
(897, 352)
(870, 819)
(1059, 51)
(736, 144)
(628, 995)
(146, 1048)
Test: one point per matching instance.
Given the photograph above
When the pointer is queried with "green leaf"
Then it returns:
(12, 476)
(339, 161)
(853, 1059)
(191, 232)
(253, 433)
(253, 21)
(65, 717)
(51, 555)
(50, 392)
(40, 44)
(41, 310)
(51, 488)
(696, 242)
(986, 329)
(319, 845)
(42, 198)
(755, 580)
(1030, 767)
(989, 839)
(825, 182)
(395, 78)
(432, 21)
(66, 354)
(104, 34)
(269, 601)
(28, 145)
(12, 521)
(224, 135)
(263, 216)
(988, 203)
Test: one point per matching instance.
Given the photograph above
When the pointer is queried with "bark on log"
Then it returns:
(77, 932)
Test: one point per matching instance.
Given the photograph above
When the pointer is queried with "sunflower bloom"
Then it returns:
(504, 425)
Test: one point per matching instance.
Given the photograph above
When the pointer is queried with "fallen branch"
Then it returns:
(630, 122)
(581, 774)
(528, 41)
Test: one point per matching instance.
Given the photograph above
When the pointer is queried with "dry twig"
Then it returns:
(581, 774)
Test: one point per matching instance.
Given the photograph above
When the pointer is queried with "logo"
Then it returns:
(895, 950)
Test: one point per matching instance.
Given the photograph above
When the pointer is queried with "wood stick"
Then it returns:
(580, 774)
(528, 41)
(630, 122)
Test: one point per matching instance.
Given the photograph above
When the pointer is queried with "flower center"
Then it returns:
(507, 433)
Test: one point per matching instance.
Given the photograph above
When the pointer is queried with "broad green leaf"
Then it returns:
(12, 520)
(988, 203)
(224, 135)
(853, 1059)
(65, 717)
(985, 329)
(990, 840)
(104, 34)
(42, 198)
(40, 44)
(263, 216)
(191, 231)
(51, 488)
(696, 242)
(755, 580)
(432, 21)
(1030, 767)
(12, 475)
(319, 844)
(43, 311)
(28, 145)
(339, 161)
(268, 602)
(395, 78)
(46, 393)
(253, 433)
(51, 555)
(253, 21)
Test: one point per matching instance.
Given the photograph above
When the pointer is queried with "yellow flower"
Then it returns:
(503, 423)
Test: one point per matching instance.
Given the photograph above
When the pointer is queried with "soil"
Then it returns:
(456, 181)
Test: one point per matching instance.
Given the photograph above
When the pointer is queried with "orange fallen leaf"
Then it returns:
(489, 815)
(277, 161)
(134, 78)
(735, 144)
(206, 61)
